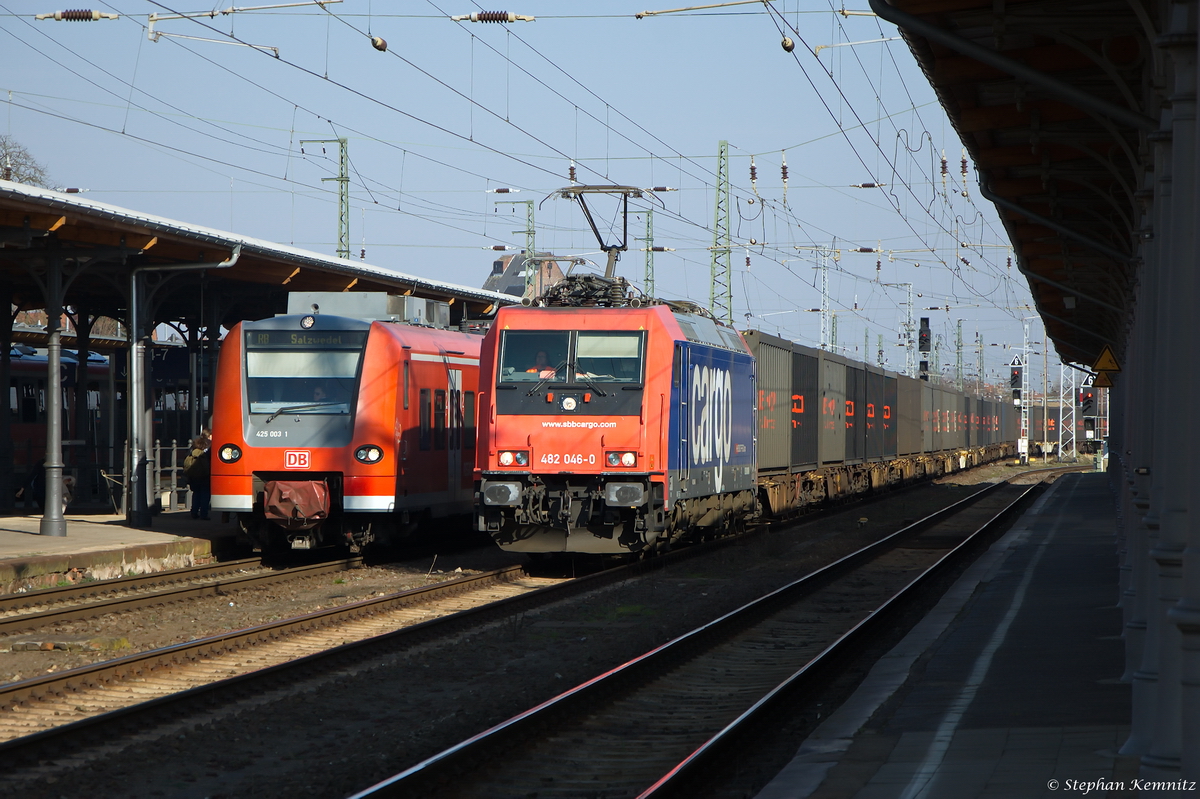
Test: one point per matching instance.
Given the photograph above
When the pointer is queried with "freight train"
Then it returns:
(336, 430)
(615, 424)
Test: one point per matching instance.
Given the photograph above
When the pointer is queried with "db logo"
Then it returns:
(295, 459)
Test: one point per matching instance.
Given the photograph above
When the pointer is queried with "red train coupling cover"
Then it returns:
(296, 504)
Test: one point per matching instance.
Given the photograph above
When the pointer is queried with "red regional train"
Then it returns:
(333, 430)
(617, 424)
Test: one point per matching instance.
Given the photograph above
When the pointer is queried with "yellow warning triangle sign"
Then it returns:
(1102, 380)
(1107, 362)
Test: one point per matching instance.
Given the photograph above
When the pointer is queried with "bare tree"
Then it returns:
(18, 164)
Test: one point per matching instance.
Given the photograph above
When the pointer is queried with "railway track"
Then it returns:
(34, 610)
(73, 711)
(32, 710)
(659, 724)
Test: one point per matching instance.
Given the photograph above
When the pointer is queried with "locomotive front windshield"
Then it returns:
(567, 356)
(303, 373)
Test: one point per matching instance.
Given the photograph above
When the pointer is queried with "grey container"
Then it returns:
(773, 368)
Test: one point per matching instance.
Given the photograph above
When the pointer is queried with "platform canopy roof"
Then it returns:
(99, 244)
(1058, 103)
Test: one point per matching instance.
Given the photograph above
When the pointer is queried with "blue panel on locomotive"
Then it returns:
(712, 421)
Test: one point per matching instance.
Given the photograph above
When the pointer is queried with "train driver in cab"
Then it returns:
(541, 366)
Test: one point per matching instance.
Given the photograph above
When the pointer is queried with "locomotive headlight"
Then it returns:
(568, 403)
(510, 456)
(621, 458)
(368, 454)
(229, 453)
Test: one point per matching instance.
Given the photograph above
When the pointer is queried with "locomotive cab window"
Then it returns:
(303, 374)
(533, 356)
(528, 356)
(614, 357)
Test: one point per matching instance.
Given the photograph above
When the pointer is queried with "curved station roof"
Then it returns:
(1056, 103)
(100, 244)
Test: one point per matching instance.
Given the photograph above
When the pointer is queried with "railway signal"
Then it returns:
(1087, 402)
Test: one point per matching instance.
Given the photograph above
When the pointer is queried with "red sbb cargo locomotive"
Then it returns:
(332, 430)
(613, 429)
(615, 424)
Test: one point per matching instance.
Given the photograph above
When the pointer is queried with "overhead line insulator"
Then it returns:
(78, 15)
(492, 16)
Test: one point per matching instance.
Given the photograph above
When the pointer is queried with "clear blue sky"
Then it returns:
(209, 133)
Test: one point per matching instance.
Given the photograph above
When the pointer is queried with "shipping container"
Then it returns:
(908, 413)
(833, 411)
(891, 385)
(806, 407)
(874, 414)
(856, 406)
(926, 416)
(773, 358)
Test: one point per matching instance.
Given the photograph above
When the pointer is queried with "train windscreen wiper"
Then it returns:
(590, 383)
(545, 380)
(306, 407)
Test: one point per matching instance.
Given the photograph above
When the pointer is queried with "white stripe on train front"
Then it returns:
(369, 504)
(420, 356)
(237, 503)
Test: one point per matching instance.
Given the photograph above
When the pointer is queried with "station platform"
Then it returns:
(101, 547)
(1009, 688)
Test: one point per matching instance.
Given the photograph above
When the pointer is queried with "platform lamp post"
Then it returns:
(138, 509)
(53, 289)
(53, 522)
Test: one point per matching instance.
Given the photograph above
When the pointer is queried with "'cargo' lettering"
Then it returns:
(712, 417)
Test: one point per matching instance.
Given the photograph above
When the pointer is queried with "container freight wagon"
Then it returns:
(617, 424)
(829, 427)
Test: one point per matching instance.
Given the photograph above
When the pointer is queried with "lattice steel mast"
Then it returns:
(343, 181)
(720, 296)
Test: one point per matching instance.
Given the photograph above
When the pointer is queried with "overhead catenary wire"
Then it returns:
(770, 214)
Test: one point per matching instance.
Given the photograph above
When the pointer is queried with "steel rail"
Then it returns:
(46, 743)
(173, 593)
(682, 780)
(84, 733)
(32, 598)
(449, 766)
